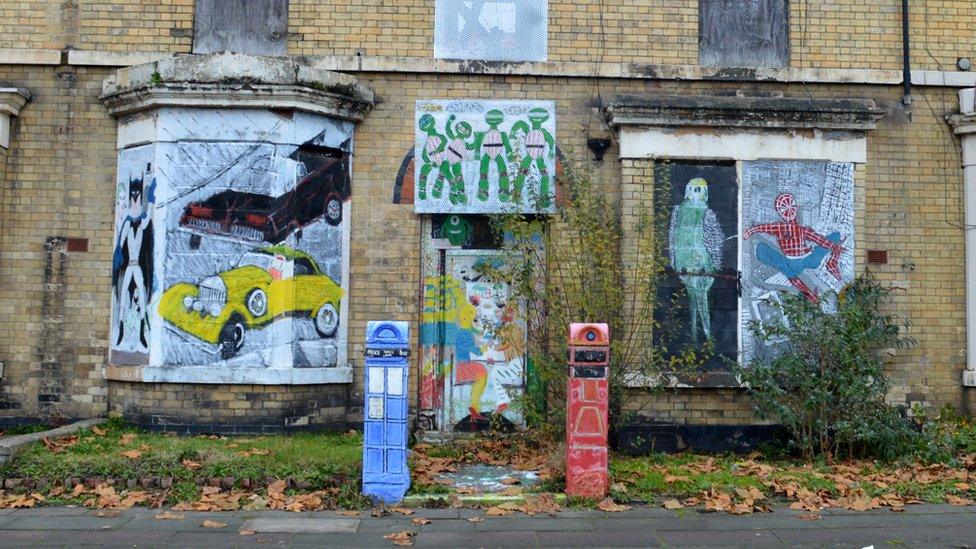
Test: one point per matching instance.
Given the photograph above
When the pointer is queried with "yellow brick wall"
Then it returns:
(110, 25)
(60, 182)
(824, 33)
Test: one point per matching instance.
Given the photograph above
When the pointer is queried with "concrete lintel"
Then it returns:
(951, 79)
(235, 80)
(96, 58)
(357, 63)
(742, 144)
(233, 376)
(240, 96)
(741, 111)
(20, 56)
(584, 69)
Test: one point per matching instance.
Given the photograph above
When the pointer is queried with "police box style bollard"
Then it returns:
(587, 415)
(386, 476)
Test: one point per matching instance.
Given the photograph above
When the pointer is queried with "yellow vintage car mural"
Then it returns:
(267, 284)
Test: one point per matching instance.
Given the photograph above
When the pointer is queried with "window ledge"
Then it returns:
(230, 376)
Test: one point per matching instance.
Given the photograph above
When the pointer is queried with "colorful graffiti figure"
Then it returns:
(537, 139)
(455, 153)
(457, 230)
(493, 145)
(695, 246)
(794, 255)
(495, 361)
(432, 156)
(132, 265)
(442, 301)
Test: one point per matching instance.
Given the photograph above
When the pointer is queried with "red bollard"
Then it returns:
(587, 417)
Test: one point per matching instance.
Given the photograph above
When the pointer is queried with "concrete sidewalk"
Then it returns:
(918, 526)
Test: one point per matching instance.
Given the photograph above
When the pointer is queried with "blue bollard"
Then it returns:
(386, 476)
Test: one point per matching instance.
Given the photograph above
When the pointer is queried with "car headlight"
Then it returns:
(188, 302)
(215, 309)
(198, 306)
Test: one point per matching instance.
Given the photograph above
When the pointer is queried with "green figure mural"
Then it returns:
(695, 250)
(537, 139)
(493, 144)
(456, 151)
(432, 156)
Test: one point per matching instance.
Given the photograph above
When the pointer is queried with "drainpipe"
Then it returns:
(906, 59)
(964, 125)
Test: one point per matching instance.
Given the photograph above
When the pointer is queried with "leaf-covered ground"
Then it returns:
(741, 485)
(114, 467)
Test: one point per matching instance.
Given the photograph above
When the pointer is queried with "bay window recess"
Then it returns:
(760, 196)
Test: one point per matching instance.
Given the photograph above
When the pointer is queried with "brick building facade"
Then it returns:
(616, 72)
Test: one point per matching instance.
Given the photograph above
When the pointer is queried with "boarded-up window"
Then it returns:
(698, 299)
(503, 30)
(258, 27)
(744, 33)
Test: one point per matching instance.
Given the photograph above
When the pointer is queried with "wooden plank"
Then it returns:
(738, 33)
(258, 27)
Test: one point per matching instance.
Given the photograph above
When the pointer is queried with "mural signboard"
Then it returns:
(231, 254)
(484, 156)
(798, 235)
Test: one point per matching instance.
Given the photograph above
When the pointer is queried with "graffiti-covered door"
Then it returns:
(484, 348)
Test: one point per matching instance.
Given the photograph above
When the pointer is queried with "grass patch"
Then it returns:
(661, 476)
(322, 460)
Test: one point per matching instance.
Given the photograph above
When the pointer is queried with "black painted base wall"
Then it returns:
(646, 438)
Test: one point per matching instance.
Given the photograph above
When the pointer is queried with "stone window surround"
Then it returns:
(734, 128)
(12, 100)
(240, 82)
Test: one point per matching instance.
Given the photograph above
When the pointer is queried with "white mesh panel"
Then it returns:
(512, 30)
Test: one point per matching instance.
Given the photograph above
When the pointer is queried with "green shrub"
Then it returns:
(825, 378)
(580, 265)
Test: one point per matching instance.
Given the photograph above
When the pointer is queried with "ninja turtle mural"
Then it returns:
(481, 156)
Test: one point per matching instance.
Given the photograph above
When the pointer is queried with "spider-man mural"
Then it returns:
(795, 254)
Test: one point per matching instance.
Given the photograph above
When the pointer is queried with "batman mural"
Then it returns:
(132, 267)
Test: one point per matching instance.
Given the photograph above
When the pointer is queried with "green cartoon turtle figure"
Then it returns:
(537, 139)
(432, 155)
(455, 152)
(489, 145)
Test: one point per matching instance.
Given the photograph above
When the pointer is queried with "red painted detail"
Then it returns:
(77, 244)
(201, 211)
(879, 257)
(256, 220)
